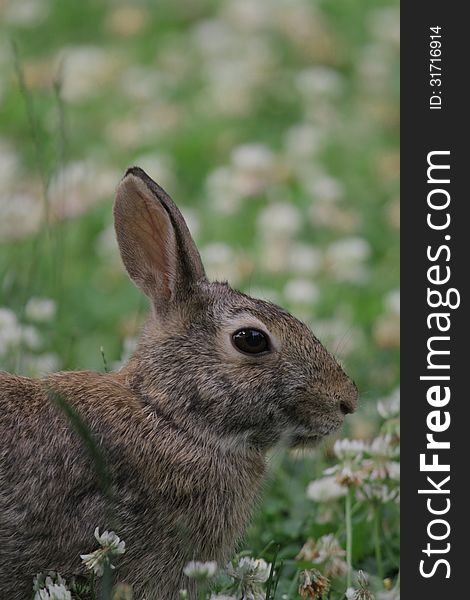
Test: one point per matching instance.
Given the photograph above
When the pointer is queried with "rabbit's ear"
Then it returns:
(155, 244)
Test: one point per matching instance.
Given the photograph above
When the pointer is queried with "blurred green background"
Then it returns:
(274, 126)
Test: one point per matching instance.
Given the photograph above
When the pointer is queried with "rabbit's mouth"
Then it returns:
(306, 440)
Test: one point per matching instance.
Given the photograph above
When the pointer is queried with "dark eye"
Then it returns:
(250, 341)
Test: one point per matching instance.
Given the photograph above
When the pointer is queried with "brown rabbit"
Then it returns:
(217, 379)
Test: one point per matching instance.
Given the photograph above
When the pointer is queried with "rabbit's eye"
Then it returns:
(250, 341)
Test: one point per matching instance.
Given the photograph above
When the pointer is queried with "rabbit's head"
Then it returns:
(213, 361)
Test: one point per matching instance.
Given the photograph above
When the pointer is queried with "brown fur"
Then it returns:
(184, 426)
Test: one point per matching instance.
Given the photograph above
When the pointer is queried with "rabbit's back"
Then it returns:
(50, 496)
(171, 500)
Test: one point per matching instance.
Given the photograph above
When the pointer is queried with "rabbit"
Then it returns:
(218, 378)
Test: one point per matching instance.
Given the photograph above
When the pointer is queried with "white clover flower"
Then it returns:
(386, 331)
(141, 84)
(389, 407)
(393, 468)
(379, 465)
(327, 551)
(347, 473)
(230, 84)
(302, 140)
(304, 258)
(381, 446)
(218, 253)
(325, 489)
(317, 82)
(384, 24)
(200, 570)
(249, 574)
(53, 592)
(363, 592)
(13, 334)
(235, 66)
(111, 546)
(108, 539)
(126, 21)
(328, 547)
(135, 130)
(30, 337)
(222, 597)
(346, 448)
(256, 158)
(21, 213)
(44, 579)
(26, 13)
(8, 162)
(350, 470)
(50, 586)
(301, 291)
(300, 21)
(7, 318)
(40, 309)
(39, 364)
(86, 183)
(346, 259)
(273, 254)
(380, 469)
(96, 562)
(392, 302)
(220, 262)
(253, 169)
(378, 492)
(327, 188)
(247, 15)
(257, 568)
(389, 595)
(312, 584)
(254, 594)
(250, 172)
(326, 214)
(211, 36)
(351, 249)
(85, 70)
(221, 190)
(374, 67)
(279, 219)
(159, 167)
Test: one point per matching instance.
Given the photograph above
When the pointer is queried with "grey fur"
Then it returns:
(184, 426)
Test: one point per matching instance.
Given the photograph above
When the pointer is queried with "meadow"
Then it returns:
(274, 126)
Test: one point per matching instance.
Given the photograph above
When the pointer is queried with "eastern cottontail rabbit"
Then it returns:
(217, 379)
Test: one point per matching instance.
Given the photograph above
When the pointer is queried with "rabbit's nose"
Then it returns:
(348, 402)
(346, 407)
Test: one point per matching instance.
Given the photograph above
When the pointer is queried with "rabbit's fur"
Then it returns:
(184, 426)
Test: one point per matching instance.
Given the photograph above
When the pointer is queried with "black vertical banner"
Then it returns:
(435, 271)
